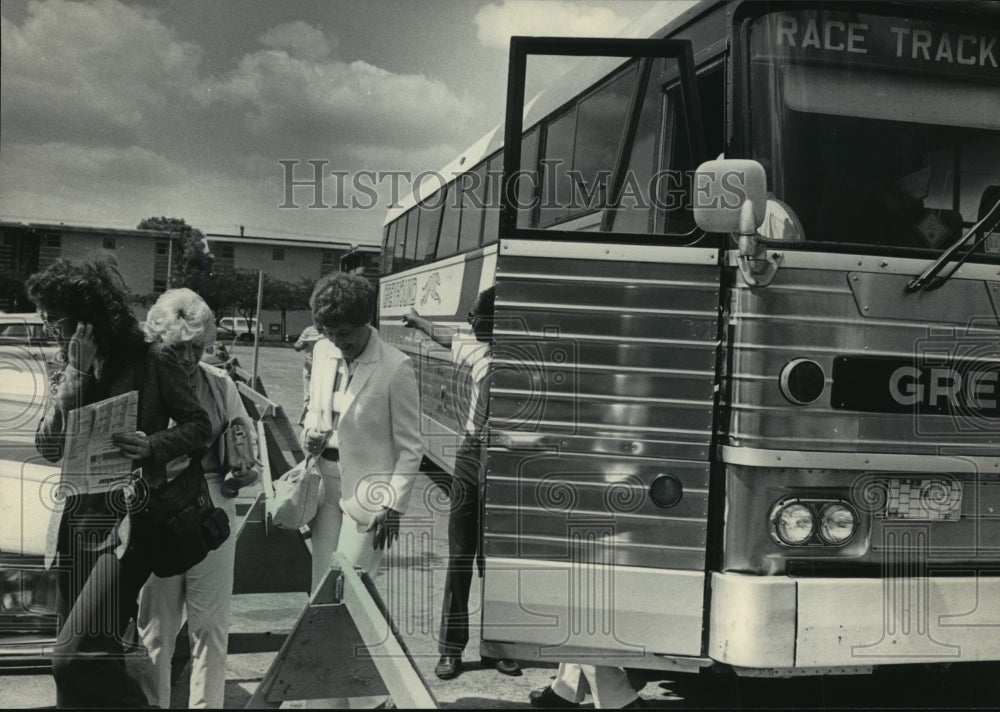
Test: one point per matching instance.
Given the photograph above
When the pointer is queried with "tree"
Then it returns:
(21, 263)
(237, 289)
(285, 296)
(194, 266)
(12, 281)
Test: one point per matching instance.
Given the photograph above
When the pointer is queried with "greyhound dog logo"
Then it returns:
(430, 290)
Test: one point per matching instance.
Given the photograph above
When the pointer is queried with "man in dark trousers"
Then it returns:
(463, 522)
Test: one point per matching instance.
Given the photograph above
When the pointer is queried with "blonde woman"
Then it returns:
(182, 321)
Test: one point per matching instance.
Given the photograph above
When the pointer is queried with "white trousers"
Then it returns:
(608, 684)
(335, 530)
(205, 591)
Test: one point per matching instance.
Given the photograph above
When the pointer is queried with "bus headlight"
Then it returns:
(837, 523)
(802, 381)
(792, 523)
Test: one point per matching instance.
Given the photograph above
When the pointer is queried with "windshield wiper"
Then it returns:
(930, 279)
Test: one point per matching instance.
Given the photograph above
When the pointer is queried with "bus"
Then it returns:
(744, 399)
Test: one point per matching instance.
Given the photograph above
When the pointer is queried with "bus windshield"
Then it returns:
(877, 130)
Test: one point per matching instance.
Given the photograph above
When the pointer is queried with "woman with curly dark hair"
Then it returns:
(85, 306)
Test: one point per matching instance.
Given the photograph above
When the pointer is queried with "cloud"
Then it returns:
(90, 70)
(300, 39)
(58, 181)
(496, 24)
(109, 117)
(295, 101)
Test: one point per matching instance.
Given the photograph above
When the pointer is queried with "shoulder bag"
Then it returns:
(176, 525)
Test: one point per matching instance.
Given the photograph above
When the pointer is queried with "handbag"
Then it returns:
(240, 463)
(175, 526)
(298, 495)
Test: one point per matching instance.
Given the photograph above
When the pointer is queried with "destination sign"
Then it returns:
(899, 42)
(877, 384)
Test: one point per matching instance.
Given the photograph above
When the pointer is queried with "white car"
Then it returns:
(27, 590)
(237, 329)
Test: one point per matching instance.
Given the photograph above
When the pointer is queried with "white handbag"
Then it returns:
(298, 495)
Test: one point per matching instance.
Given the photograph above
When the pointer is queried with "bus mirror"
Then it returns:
(721, 189)
(781, 224)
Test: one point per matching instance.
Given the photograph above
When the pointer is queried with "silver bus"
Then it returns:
(745, 414)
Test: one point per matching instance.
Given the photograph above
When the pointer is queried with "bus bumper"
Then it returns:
(783, 623)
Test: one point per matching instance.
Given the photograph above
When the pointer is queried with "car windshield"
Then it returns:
(877, 130)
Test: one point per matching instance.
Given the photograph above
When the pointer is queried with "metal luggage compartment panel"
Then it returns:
(662, 326)
(658, 445)
(570, 379)
(813, 313)
(627, 356)
(576, 414)
(438, 382)
(559, 549)
(617, 383)
(565, 485)
(642, 534)
(587, 293)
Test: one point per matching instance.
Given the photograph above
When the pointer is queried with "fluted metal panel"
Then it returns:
(830, 309)
(604, 381)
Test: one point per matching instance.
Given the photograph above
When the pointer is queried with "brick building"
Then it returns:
(287, 259)
(145, 259)
(142, 255)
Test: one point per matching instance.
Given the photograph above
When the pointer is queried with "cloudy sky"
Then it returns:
(115, 111)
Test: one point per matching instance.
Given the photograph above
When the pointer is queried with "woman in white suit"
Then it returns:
(362, 423)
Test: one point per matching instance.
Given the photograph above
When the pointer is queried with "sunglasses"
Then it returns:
(53, 324)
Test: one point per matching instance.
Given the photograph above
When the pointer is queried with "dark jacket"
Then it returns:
(165, 393)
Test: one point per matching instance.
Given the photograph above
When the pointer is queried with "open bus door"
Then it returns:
(603, 391)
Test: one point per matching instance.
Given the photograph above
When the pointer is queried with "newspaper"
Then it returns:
(90, 459)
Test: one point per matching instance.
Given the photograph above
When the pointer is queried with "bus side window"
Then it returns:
(430, 221)
(661, 123)
(472, 187)
(450, 220)
(580, 150)
(556, 161)
(413, 216)
(527, 187)
(673, 183)
(399, 231)
(387, 249)
(632, 212)
(491, 219)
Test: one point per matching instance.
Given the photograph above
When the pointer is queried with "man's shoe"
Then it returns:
(448, 666)
(547, 697)
(637, 704)
(504, 666)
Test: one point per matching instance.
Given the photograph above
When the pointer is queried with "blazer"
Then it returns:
(379, 429)
(164, 394)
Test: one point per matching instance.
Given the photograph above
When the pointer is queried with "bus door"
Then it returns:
(603, 388)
